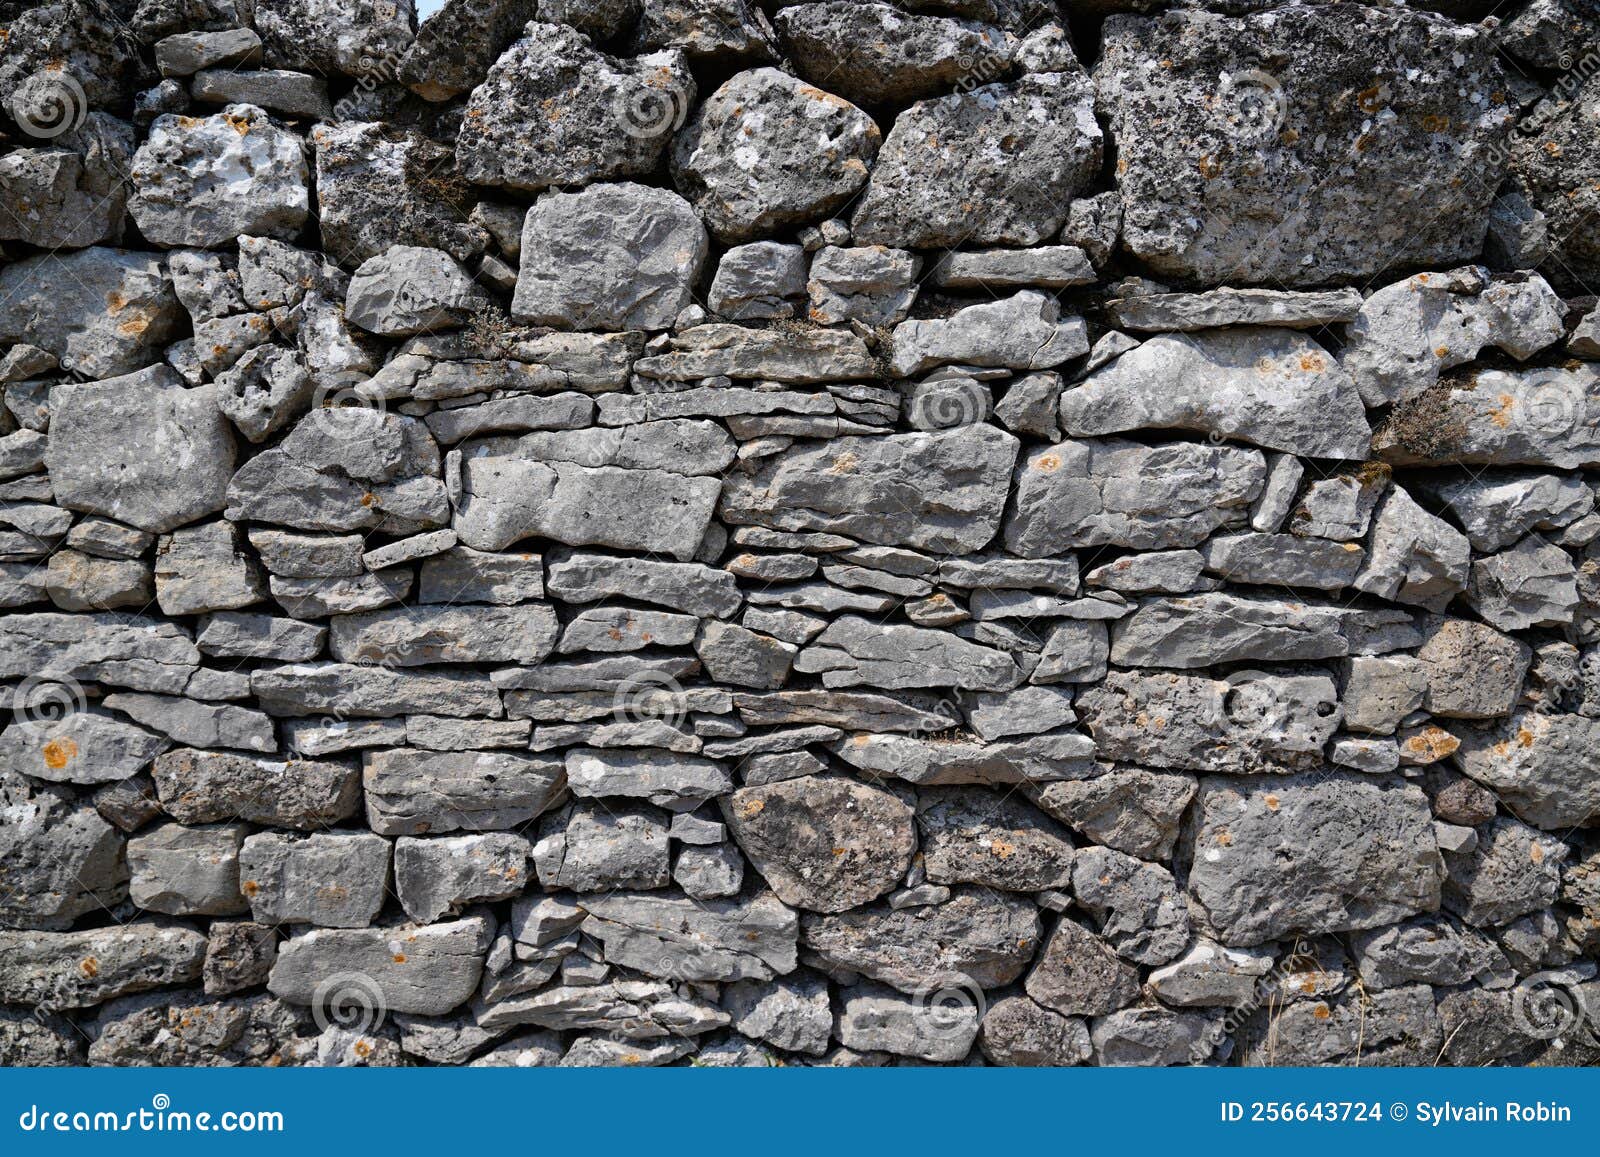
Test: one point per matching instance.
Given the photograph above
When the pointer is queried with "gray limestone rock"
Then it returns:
(199, 787)
(1021, 332)
(1472, 671)
(1533, 584)
(1094, 492)
(555, 111)
(791, 1013)
(767, 152)
(81, 746)
(58, 859)
(73, 193)
(1188, 312)
(1498, 507)
(139, 448)
(1132, 811)
(918, 760)
(187, 871)
(1271, 387)
(205, 568)
(1539, 765)
(610, 257)
(334, 879)
(1077, 974)
(979, 939)
(591, 846)
(853, 651)
(759, 281)
(442, 874)
(203, 182)
(333, 36)
(411, 289)
(881, 489)
(1137, 906)
(993, 165)
(48, 968)
(100, 312)
(417, 636)
(876, 1018)
(824, 843)
(1412, 556)
(869, 284)
(1275, 856)
(404, 968)
(1019, 1032)
(687, 940)
(123, 650)
(990, 838)
(424, 792)
(1494, 417)
(1225, 132)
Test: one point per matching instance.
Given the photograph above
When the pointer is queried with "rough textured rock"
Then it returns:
(767, 152)
(1223, 160)
(546, 535)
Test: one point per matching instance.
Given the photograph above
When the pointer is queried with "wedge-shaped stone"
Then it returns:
(1279, 856)
(918, 760)
(202, 787)
(628, 1009)
(681, 939)
(1097, 492)
(824, 843)
(853, 710)
(979, 937)
(1187, 312)
(413, 968)
(1498, 507)
(141, 449)
(1219, 627)
(1271, 387)
(1413, 556)
(940, 491)
(411, 793)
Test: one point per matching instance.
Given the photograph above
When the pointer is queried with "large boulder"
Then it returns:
(1304, 145)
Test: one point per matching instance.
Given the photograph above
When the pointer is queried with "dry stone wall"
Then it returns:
(638, 532)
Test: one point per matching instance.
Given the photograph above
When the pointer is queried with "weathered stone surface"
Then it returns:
(58, 859)
(199, 787)
(60, 304)
(878, 489)
(996, 165)
(1539, 765)
(981, 836)
(74, 193)
(1498, 418)
(979, 938)
(46, 968)
(1277, 856)
(205, 182)
(140, 448)
(555, 111)
(1077, 974)
(1021, 332)
(187, 871)
(424, 969)
(123, 650)
(83, 747)
(1472, 671)
(854, 651)
(328, 37)
(610, 257)
(721, 940)
(1095, 492)
(416, 793)
(825, 843)
(809, 157)
(435, 876)
(876, 1018)
(1227, 181)
(1132, 811)
(331, 879)
(1274, 388)
(411, 289)
(917, 760)
(416, 636)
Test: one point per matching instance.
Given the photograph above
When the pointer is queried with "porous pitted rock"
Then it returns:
(824, 843)
(1226, 128)
(354, 37)
(767, 153)
(996, 165)
(409, 967)
(1556, 159)
(555, 111)
(206, 182)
